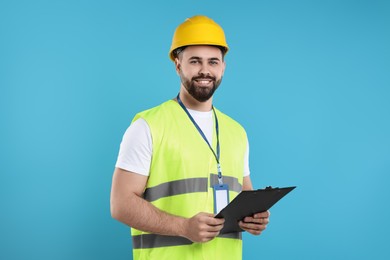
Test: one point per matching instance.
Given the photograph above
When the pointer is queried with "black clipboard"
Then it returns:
(248, 203)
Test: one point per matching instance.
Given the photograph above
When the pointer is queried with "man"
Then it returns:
(175, 160)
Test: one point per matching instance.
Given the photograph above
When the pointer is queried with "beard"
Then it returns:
(200, 93)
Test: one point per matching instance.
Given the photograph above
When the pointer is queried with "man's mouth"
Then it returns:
(204, 81)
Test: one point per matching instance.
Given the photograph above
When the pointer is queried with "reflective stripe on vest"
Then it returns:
(154, 241)
(175, 188)
(188, 186)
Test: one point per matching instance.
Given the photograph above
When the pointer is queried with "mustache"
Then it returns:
(204, 77)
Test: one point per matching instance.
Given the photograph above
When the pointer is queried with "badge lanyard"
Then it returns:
(216, 155)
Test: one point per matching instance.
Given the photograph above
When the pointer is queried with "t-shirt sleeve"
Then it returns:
(135, 152)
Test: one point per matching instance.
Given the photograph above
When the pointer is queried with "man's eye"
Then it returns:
(194, 61)
(213, 62)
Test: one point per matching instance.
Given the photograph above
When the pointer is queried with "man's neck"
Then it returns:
(191, 103)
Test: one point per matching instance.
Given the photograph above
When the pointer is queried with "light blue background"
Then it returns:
(309, 80)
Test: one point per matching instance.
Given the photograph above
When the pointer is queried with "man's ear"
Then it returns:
(177, 65)
(224, 67)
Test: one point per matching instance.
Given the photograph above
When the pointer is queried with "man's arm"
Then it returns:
(258, 222)
(128, 206)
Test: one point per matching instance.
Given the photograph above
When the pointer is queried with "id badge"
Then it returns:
(221, 197)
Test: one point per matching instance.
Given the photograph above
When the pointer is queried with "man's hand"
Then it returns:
(202, 227)
(256, 223)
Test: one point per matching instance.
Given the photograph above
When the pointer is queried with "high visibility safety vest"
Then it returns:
(182, 173)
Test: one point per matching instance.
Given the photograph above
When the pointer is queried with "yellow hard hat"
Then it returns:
(198, 30)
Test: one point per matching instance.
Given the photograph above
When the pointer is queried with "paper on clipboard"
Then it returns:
(248, 203)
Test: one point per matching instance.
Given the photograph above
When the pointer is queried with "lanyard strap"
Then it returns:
(216, 155)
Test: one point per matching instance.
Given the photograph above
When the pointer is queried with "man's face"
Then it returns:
(200, 68)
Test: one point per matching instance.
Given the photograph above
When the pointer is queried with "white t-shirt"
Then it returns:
(135, 153)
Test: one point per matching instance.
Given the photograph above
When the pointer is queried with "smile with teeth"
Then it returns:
(203, 81)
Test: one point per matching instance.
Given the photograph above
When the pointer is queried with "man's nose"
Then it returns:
(204, 70)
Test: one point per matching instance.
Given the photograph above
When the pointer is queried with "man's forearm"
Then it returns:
(141, 214)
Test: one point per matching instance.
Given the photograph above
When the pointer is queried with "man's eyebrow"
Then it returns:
(199, 58)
